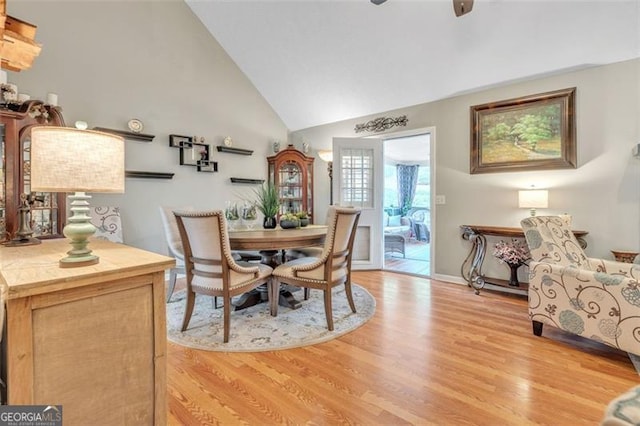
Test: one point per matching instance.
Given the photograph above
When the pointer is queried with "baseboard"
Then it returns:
(449, 278)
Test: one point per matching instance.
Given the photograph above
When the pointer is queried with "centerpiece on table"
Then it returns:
(289, 221)
(268, 203)
(514, 254)
(304, 218)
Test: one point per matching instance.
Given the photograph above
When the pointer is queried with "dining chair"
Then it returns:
(330, 269)
(174, 244)
(210, 268)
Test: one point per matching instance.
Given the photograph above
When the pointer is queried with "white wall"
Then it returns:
(602, 194)
(152, 60)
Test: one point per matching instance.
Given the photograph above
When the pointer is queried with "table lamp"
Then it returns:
(328, 157)
(64, 159)
(533, 199)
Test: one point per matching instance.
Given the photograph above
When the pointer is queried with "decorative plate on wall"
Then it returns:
(135, 125)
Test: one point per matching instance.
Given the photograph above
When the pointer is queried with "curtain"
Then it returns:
(407, 183)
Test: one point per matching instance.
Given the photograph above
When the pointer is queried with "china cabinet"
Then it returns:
(292, 173)
(48, 210)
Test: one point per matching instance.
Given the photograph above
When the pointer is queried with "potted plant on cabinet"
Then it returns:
(268, 203)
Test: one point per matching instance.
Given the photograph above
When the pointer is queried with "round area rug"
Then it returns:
(254, 329)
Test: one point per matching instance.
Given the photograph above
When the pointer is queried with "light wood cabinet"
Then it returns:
(92, 339)
(48, 209)
(292, 173)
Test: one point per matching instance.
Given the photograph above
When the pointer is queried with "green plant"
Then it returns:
(267, 199)
(302, 215)
(289, 216)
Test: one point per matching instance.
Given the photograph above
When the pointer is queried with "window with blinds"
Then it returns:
(357, 177)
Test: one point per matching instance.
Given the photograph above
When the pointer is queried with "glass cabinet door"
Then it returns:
(3, 186)
(290, 187)
(44, 205)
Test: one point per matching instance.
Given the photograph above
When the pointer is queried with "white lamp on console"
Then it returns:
(533, 199)
(64, 159)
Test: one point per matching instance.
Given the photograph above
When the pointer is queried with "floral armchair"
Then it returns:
(595, 298)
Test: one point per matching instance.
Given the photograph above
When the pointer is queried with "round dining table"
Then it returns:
(271, 243)
(278, 238)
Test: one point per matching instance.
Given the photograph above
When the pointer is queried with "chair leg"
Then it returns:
(188, 310)
(227, 318)
(537, 328)
(215, 302)
(347, 289)
(328, 311)
(273, 289)
(307, 291)
(173, 277)
(635, 360)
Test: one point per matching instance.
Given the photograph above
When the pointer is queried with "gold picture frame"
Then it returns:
(535, 132)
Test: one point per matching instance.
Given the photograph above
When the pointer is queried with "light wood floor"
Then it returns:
(433, 354)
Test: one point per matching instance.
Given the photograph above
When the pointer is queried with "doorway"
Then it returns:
(407, 224)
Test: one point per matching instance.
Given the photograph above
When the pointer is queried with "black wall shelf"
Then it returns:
(231, 150)
(148, 175)
(250, 181)
(127, 135)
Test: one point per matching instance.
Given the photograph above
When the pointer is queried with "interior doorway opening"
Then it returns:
(407, 221)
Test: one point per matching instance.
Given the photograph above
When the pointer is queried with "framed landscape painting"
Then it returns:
(534, 132)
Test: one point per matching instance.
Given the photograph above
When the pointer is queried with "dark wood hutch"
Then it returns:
(48, 210)
(292, 173)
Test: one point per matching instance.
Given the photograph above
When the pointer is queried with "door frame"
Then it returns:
(432, 196)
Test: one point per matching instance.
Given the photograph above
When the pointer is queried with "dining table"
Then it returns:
(272, 245)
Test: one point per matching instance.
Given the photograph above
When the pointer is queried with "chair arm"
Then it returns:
(581, 283)
(306, 267)
(615, 268)
(242, 269)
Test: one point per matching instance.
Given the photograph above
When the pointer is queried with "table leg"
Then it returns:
(286, 299)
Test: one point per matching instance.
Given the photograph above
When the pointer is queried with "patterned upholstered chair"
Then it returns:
(331, 269)
(210, 268)
(594, 298)
(107, 222)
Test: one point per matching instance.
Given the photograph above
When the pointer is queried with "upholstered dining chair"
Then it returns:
(209, 266)
(595, 298)
(174, 245)
(330, 269)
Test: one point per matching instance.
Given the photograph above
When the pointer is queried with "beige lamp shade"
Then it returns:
(326, 156)
(533, 199)
(64, 159)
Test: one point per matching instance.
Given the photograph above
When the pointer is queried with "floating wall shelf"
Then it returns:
(244, 180)
(148, 175)
(231, 150)
(127, 135)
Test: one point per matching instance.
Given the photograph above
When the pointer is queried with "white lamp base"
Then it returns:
(78, 230)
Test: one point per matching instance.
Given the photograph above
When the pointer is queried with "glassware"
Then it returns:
(231, 214)
(249, 215)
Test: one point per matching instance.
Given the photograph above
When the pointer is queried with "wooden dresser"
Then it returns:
(92, 339)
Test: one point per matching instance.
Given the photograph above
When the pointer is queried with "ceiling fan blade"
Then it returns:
(461, 6)
(378, 2)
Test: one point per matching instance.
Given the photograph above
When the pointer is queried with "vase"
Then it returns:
(304, 222)
(513, 279)
(289, 224)
(269, 222)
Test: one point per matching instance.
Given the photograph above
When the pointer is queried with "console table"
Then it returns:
(93, 338)
(471, 269)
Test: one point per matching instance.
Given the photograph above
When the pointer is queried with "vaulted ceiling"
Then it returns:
(321, 61)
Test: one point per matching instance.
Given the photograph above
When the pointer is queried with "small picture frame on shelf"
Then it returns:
(190, 156)
(178, 141)
(207, 166)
